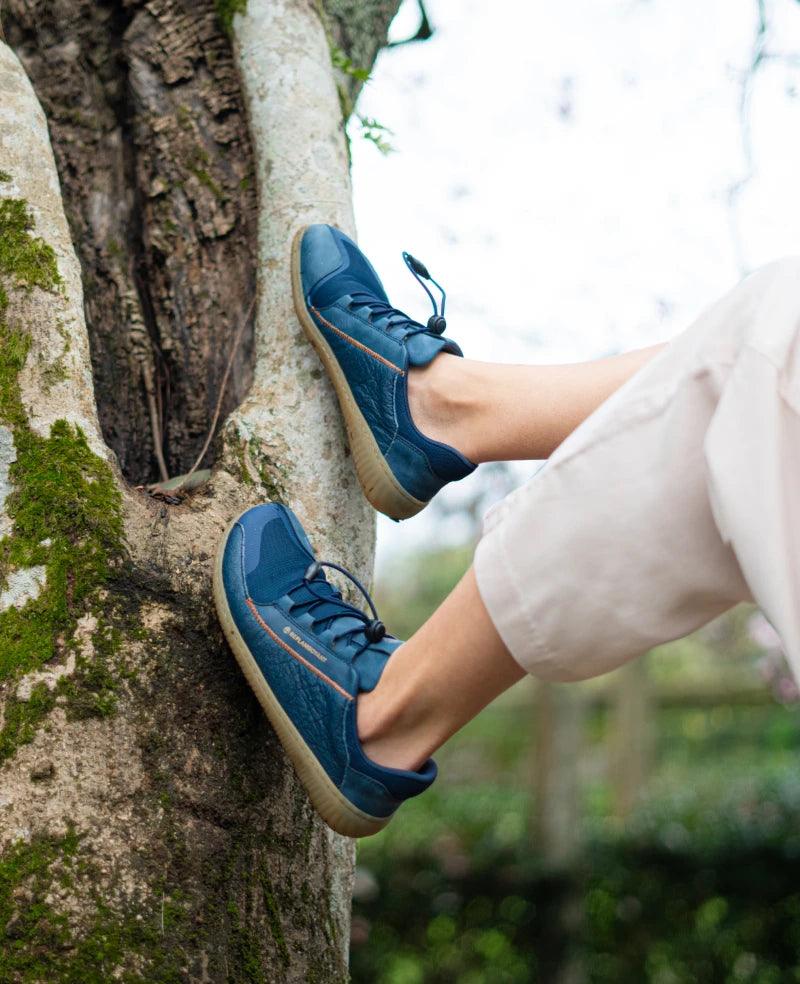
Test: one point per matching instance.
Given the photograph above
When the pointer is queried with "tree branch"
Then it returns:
(760, 56)
(56, 381)
(288, 430)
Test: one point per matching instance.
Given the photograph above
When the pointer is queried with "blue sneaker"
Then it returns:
(367, 347)
(307, 654)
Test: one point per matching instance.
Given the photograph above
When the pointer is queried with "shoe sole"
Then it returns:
(334, 808)
(381, 488)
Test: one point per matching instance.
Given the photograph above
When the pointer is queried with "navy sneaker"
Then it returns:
(307, 654)
(367, 347)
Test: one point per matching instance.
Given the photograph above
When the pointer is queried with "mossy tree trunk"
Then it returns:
(156, 157)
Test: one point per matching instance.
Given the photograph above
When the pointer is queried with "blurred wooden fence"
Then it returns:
(562, 713)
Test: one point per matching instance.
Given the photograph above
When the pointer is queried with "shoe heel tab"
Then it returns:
(400, 784)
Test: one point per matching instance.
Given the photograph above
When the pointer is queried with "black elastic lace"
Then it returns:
(373, 628)
(397, 318)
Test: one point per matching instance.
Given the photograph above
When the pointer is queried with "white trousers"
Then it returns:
(676, 499)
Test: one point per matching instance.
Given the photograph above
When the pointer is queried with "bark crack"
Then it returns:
(156, 169)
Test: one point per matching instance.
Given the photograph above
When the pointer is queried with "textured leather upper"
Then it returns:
(314, 677)
(375, 353)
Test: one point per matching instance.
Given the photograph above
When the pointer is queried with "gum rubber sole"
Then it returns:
(381, 488)
(334, 808)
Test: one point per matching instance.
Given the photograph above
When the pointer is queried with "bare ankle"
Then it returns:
(374, 732)
(387, 732)
(441, 403)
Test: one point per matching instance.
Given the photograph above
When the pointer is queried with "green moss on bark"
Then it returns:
(273, 915)
(21, 719)
(66, 512)
(25, 259)
(226, 11)
(255, 466)
(42, 942)
(65, 509)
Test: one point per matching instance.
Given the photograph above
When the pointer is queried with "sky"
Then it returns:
(582, 177)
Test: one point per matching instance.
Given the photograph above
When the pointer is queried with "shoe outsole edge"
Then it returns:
(334, 808)
(381, 488)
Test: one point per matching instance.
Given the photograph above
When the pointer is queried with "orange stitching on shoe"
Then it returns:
(291, 651)
(357, 344)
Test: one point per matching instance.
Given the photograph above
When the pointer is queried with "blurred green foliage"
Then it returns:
(700, 884)
(688, 892)
(417, 586)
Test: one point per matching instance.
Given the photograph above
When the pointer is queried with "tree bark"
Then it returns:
(150, 827)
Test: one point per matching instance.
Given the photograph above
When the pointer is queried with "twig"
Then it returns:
(155, 422)
(735, 190)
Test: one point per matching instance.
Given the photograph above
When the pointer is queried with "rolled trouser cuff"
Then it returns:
(502, 589)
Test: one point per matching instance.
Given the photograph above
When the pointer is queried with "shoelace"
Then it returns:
(436, 323)
(373, 628)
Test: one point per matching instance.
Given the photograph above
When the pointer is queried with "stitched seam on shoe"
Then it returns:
(399, 439)
(357, 344)
(241, 553)
(297, 656)
(394, 418)
(348, 766)
(371, 779)
(395, 421)
(445, 447)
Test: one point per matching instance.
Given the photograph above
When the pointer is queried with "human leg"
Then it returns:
(437, 681)
(676, 500)
(417, 414)
(496, 412)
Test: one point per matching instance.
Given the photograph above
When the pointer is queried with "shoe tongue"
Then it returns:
(322, 589)
(424, 347)
(332, 605)
(281, 561)
(359, 275)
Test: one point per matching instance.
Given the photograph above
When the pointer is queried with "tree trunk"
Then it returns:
(630, 738)
(150, 827)
(560, 725)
